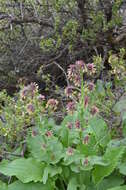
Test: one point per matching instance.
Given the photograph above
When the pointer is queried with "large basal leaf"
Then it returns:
(3, 186)
(118, 188)
(50, 151)
(112, 155)
(110, 182)
(98, 160)
(25, 170)
(51, 171)
(117, 143)
(73, 184)
(122, 168)
(100, 130)
(30, 186)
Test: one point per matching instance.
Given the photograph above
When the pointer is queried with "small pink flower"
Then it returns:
(49, 134)
(52, 103)
(86, 161)
(41, 97)
(86, 139)
(29, 90)
(30, 108)
(33, 86)
(77, 80)
(68, 91)
(24, 92)
(80, 65)
(70, 125)
(71, 107)
(91, 86)
(91, 67)
(70, 151)
(86, 100)
(94, 110)
(71, 71)
(77, 124)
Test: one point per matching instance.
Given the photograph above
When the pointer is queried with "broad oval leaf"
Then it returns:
(112, 155)
(50, 151)
(118, 188)
(26, 170)
(30, 186)
(100, 131)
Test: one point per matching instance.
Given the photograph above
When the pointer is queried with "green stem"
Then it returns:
(82, 88)
(82, 99)
(62, 184)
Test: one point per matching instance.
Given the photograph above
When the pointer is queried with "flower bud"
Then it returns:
(80, 65)
(49, 134)
(91, 67)
(70, 107)
(86, 100)
(70, 125)
(70, 151)
(94, 110)
(30, 108)
(41, 97)
(86, 139)
(86, 161)
(91, 86)
(68, 91)
(77, 124)
(52, 103)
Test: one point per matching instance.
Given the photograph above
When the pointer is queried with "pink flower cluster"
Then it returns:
(52, 104)
(69, 91)
(71, 107)
(30, 108)
(76, 69)
(74, 72)
(94, 110)
(70, 151)
(29, 91)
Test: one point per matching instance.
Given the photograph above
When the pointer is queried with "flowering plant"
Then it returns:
(79, 153)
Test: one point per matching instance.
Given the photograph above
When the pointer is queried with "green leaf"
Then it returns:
(98, 160)
(100, 88)
(49, 151)
(120, 106)
(30, 186)
(64, 136)
(76, 157)
(3, 186)
(72, 184)
(118, 188)
(122, 168)
(112, 155)
(100, 130)
(52, 171)
(117, 143)
(124, 123)
(111, 181)
(89, 148)
(25, 170)
(82, 187)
